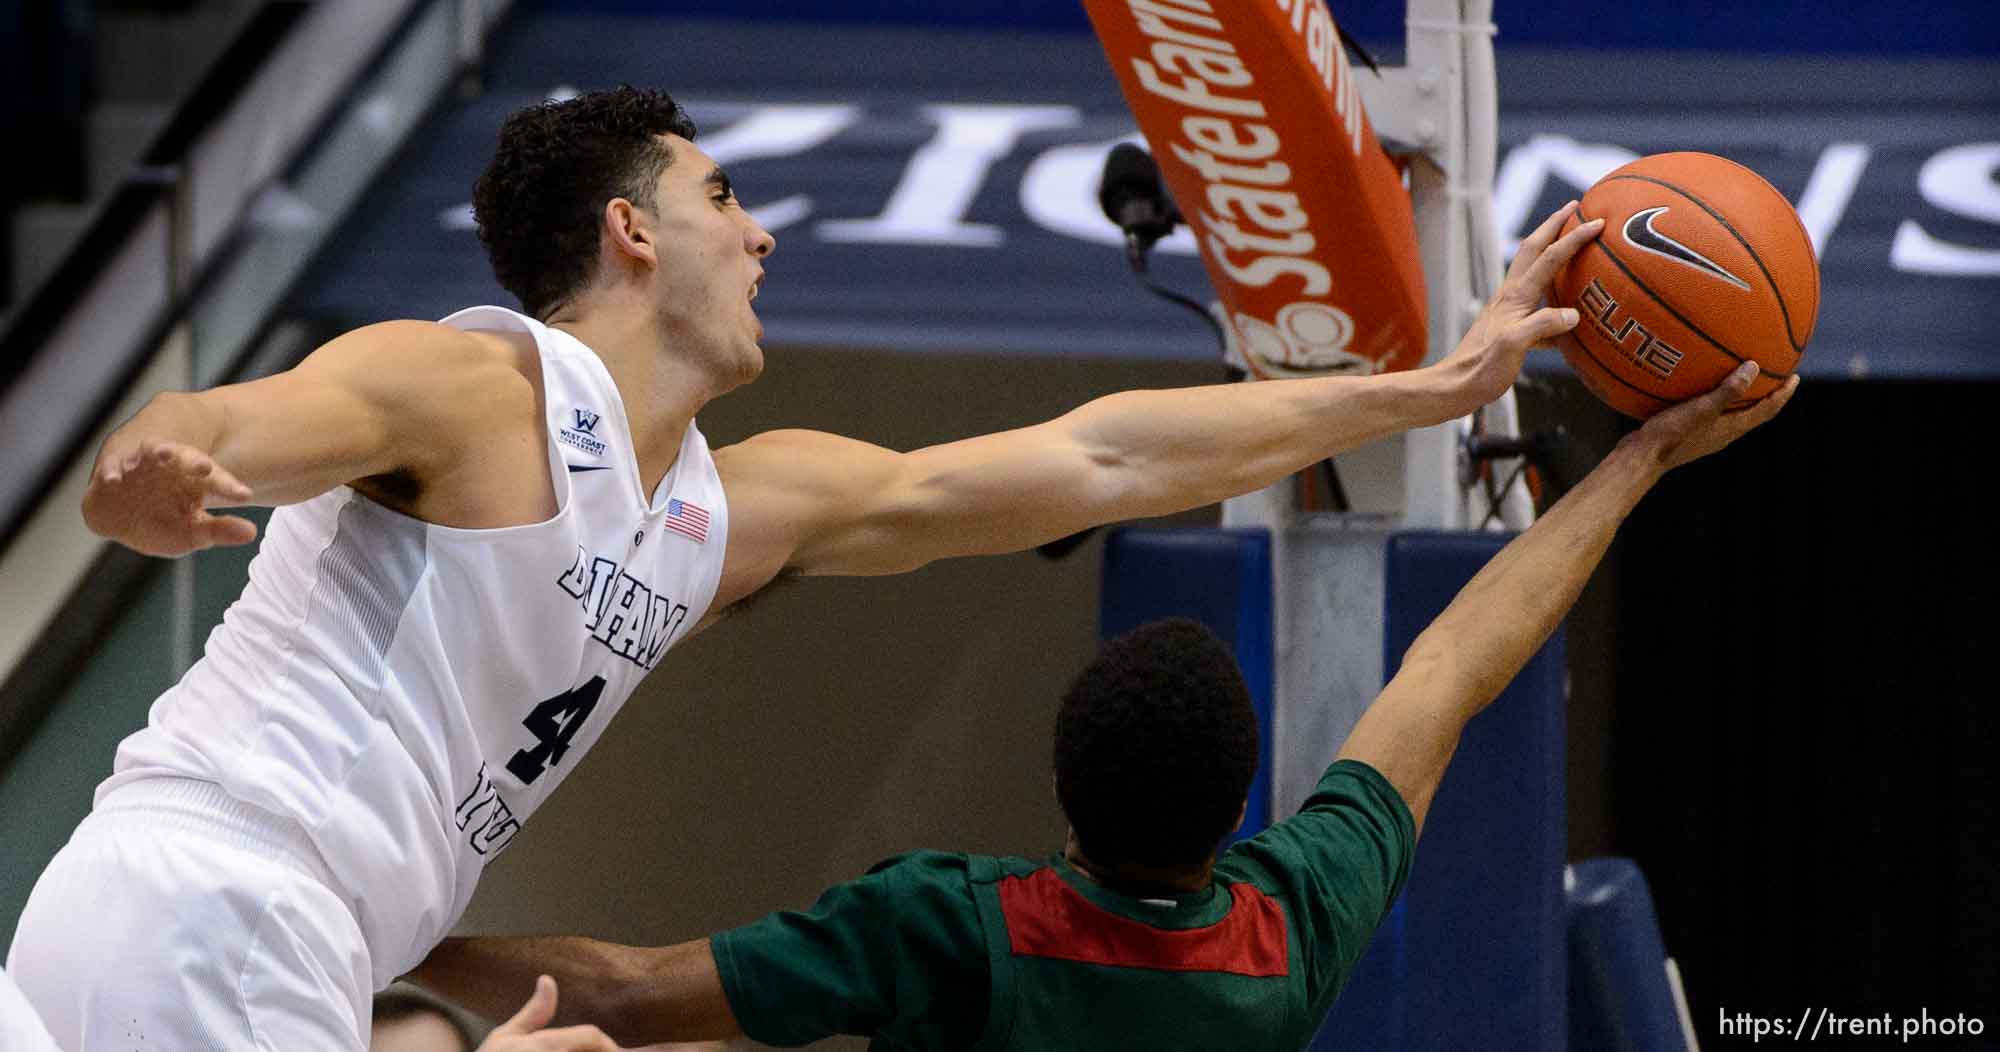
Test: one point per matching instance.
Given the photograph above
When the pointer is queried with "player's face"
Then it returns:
(710, 263)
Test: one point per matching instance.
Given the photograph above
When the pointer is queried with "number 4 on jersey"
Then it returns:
(553, 723)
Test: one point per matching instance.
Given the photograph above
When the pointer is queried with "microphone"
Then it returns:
(1132, 196)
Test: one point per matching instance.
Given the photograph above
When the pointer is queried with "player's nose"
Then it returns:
(757, 240)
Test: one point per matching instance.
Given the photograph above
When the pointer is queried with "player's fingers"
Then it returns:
(1727, 393)
(534, 1015)
(1778, 399)
(1534, 244)
(1545, 325)
(147, 451)
(1735, 385)
(224, 530)
(185, 460)
(224, 487)
(1757, 413)
(1543, 270)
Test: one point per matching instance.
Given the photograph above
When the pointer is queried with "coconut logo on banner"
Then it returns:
(1303, 222)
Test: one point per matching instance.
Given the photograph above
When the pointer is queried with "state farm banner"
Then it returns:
(1302, 220)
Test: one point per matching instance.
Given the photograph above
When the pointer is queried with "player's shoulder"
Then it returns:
(956, 869)
(923, 863)
(449, 372)
(1259, 869)
(425, 346)
(1354, 822)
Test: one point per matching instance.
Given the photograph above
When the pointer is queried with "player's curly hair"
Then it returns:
(1156, 743)
(539, 202)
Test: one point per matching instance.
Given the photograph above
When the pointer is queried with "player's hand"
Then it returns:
(154, 498)
(524, 1032)
(1489, 357)
(1705, 423)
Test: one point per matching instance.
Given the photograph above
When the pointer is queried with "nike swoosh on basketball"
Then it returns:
(1641, 234)
(574, 468)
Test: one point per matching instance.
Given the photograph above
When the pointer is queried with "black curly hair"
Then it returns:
(1155, 747)
(539, 202)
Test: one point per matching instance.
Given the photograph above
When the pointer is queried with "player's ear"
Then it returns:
(629, 231)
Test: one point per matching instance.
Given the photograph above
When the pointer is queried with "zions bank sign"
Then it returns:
(910, 217)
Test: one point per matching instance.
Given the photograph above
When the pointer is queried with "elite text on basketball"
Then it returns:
(1635, 340)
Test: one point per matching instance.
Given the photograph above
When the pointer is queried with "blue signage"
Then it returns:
(935, 191)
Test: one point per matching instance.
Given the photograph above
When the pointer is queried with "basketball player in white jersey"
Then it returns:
(491, 527)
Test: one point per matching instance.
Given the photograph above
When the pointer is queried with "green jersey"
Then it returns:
(946, 951)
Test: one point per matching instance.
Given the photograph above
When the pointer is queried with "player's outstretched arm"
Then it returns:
(1476, 647)
(638, 995)
(395, 397)
(815, 503)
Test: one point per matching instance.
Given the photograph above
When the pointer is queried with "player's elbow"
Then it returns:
(624, 1000)
(661, 994)
(1112, 470)
(1437, 673)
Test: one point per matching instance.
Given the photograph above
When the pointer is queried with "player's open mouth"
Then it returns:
(755, 285)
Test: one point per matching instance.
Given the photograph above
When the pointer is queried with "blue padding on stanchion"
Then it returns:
(1619, 997)
(1221, 578)
(1482, 951)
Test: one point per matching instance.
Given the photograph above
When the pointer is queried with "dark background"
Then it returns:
(1804, 727)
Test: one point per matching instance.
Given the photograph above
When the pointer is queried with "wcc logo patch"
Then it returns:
(583, 435)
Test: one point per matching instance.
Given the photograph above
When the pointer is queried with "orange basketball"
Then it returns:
(1702, 265)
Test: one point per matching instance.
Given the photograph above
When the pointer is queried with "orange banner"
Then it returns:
(1251, 112)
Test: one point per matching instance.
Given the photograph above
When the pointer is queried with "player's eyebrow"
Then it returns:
(718, 177)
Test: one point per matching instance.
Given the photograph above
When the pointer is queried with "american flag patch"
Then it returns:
(688, 520)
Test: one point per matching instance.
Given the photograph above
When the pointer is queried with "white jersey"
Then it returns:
(410, 693)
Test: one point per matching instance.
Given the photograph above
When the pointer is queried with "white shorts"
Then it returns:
(178, 917)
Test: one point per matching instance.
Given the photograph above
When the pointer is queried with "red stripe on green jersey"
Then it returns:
(1048, 918)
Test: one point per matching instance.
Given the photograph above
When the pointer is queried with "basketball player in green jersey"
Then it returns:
(1137, 936)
